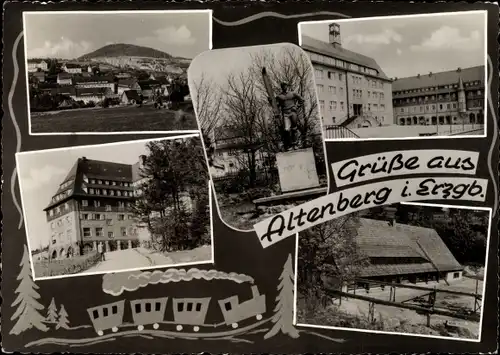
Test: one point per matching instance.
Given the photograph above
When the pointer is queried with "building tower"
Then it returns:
(334, 32)
(462, 108)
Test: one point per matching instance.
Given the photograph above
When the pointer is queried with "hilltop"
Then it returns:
(125, 50)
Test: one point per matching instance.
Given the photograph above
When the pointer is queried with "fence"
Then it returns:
(67, 266)
(338, 132)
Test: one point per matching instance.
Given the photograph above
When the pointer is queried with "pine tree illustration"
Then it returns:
(283, 312)
(63, 321)
(52, 313)
(27, 313)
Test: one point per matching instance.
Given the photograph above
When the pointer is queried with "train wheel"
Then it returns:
(259, 316)
(114, 329)
(140, 327)
(156, 326)
(100, 332)
(179, 327)
(196, 328)
(234, 325)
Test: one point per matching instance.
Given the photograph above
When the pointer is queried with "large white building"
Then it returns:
(353, 90)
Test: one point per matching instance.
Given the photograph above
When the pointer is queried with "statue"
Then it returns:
(285, 107)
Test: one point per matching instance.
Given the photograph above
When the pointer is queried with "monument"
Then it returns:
(297, 170)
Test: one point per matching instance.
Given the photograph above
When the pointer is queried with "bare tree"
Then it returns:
(208, 104)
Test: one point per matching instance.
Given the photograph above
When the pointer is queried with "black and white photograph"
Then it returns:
(258, 113)
(112, 71)
(398, 77)
(411, 269)
(116, 207)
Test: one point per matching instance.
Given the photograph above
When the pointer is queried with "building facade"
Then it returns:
(34, 65)
(353, 91)
(446, 98)
(91, 206)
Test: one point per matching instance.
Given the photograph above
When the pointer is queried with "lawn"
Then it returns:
(112, 119)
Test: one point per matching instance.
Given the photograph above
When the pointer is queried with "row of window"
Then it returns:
(108, 192)
(67, 220)
(341, 64)
(62, 195)
(333, 106)
(434, 88)
(319, 74)
(428, 108)
(66, 184)
(102, 217)
(99, 232)
(59, 209)
(97, 203)
(107, 182)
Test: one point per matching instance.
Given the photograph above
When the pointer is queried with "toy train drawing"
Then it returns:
(186, 311)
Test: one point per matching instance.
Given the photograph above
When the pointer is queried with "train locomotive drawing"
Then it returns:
(187, 312)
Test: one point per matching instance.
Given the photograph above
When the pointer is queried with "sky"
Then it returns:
(409, 45)
(217, 65)
(70, 35)
(41, 173)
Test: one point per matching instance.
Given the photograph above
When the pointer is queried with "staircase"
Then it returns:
(338, 132)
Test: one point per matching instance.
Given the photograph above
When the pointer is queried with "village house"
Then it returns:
(401, 253)
(126, 84)
(39, 76)
(35, 64)
(72, 68)
(129, 97)
(64, 79)
(149, 87)
(87, 95)
(94, 82)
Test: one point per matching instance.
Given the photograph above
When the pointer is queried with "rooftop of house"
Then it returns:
(335, 51)
(131, 95)
(93, 79)
(476, 73)
(64, 76)
(383, 239)
(72, 65)
(91, 91)
(85, 169)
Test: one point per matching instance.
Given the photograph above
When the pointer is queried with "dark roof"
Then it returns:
(127, 82)
(64, 76)
(317, 46)
(439, 79)
(92, 169)
(36, 60)
(72, 65)
(380, 239)
(93, 79)
(147, 84)
(131, 95)
(91, 91)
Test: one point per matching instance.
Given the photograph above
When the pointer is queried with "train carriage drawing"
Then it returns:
(148, 311)
(108, 316)
(186, 312)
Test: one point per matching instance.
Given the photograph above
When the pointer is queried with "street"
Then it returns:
(129, 259)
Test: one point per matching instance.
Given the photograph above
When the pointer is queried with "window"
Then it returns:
(121, 217)
(318, 73)
(108, 208)
(341, 91)
(341, 105)
(87, 233)
(85, 203)
(440, 106)
(96, 216)
(322, 105)
(114, 309)
(137, 308)
(97, 203)
(382, 107)
(54, 239)
(123, 231)
(106, 182)
(91, 191)
(113, 183)
(110, 235)
(157, 306)
(148, 307)
(121, 204)
(58, 209)
(51, 213)
(85, 216)
(180, 307)
(228, 306)
(456, 275)
(99, 182)
(189, 307)
(381, 96)
(320, 89)
(92, 181)
(95, 314)
(454, 105)
(448, 106)
(198, 307)
(330, 107)
(69, 232)
(340, 76)
(98, 232)
(66, 206)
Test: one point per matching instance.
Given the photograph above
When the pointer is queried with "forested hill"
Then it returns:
(127, 50)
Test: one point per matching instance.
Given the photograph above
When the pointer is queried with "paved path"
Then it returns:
(129, 259)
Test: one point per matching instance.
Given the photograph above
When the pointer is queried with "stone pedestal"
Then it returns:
(130, 244)
(297, 170)
(119, 245)
(94, 246)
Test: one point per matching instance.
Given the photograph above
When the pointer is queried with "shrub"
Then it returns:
(66, 266)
